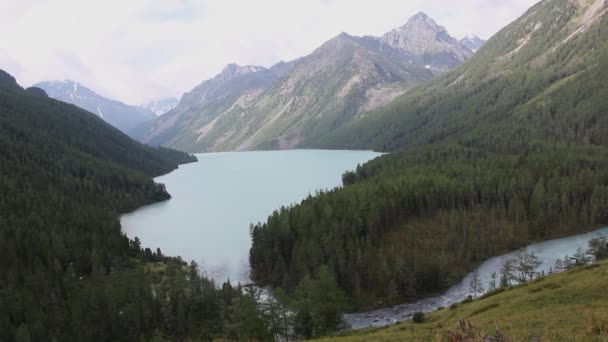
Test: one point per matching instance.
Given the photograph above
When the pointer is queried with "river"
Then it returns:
(214, 201)
(547, 251)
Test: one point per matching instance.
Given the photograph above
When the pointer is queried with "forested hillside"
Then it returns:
(68, 272)
(506, 149)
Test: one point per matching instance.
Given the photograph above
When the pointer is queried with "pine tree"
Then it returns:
(476, 286)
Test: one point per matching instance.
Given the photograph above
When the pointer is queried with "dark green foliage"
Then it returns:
(318, 305)
(418, 220)
(37, 91)
(598, 248)
(505, 150)
(418, 317)
(68, 272)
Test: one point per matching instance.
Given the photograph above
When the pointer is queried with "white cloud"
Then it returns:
(139, 50)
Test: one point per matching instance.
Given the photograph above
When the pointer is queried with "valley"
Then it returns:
(406, 185)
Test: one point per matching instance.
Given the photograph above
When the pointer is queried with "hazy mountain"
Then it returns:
(293, 104)
(120, 115)
(421, 36)
(472, 42)
(161, 107)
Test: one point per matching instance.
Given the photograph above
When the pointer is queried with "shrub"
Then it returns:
(418, 317)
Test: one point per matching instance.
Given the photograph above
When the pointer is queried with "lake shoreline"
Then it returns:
(215, 200)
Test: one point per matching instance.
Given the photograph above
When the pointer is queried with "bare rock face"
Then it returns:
(291, 105)
(162, 106)
(472, 42)
(421, 35)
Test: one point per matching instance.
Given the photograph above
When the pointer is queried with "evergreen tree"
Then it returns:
(475, 286)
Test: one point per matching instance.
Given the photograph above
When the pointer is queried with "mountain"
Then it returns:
(508, 148)
(422, 37)
(292, 105)
(120, 115)
(161, 107)
(472, 43)
(212, 104)
(520, 70)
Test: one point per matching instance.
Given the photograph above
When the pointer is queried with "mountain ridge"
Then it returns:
(162, 106)
(118, 114)
(290, 105)
(472, 42)
(526, 42)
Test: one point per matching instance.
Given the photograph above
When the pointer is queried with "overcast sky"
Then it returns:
(139, 50)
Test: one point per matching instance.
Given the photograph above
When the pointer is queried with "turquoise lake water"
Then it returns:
(215, 200)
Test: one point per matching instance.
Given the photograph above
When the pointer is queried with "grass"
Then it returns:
(570, 306)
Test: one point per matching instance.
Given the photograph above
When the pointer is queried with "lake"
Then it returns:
(215, 200)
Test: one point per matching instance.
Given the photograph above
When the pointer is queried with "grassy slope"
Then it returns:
(571, 306)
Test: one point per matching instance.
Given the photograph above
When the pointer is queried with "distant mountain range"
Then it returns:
(122, 116)
(473, 42)
(161, 107)
(293, 104)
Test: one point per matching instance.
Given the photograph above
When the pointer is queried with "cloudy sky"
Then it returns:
(139, 50)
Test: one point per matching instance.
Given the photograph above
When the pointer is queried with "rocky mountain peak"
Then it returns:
(234, 70)
(162, 106)
(472, 42)
(422, 20)
(421, 35)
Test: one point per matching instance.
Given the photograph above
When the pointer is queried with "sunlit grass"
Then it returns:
(571, 306)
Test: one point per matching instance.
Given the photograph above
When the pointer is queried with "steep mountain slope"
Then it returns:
(163, 106)
(200, 109)
(473, 43)
(122, 116)
(555, 44)
(293, 104)
(506, 149)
